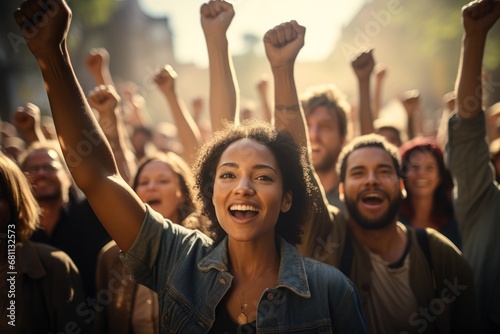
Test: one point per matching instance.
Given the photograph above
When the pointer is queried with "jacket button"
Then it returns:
(270, 296)
(222, 281)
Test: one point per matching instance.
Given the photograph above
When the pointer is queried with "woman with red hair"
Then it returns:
(429, 185)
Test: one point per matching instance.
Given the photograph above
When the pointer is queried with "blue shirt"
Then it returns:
(191, 277)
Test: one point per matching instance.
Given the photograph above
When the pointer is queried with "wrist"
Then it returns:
(216, 37)
(47, 53)
(474, 37)
(364, 80)
(282, 67)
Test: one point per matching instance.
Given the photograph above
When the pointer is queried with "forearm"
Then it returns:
(365, 112)
(469, 86)
(266, 108)
(187, 130)
(85, 148)
(116, 133)
(377, 98)
(224, 104)
(102, 76)
(34, 136)
(289, 115)
(105, 76)
(411, 126)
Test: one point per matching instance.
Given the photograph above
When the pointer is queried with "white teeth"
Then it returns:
(373, 196)
(422, 182)
(242, 208)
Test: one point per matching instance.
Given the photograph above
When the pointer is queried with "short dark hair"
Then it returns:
(370, 140)
(291, 162)
(330, 97)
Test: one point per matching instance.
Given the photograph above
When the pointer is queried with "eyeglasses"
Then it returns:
(50, 169)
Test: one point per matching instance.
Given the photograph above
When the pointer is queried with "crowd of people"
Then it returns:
(319, 217)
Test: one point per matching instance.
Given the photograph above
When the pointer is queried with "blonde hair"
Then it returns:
(15, 188)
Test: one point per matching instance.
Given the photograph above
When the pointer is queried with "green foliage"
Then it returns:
(92, 13)
(435, 25)
(491, 60)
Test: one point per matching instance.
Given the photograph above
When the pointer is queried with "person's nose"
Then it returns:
(151, 185)
(244, 187)
(313, 133)
(372, 178)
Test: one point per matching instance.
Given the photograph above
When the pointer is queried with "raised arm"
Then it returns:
(106, 101)
(86, 150)
(263, 91)
(97, 63)
(188, 132)
(216, 16)
(134, 106)
(493, 116)
(282, 45)
(28, 122)
(411, 102)
(380, 74)
(477, 19)
(363, 67)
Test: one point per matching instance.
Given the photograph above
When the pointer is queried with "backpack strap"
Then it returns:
(423, 241)
(347, 256)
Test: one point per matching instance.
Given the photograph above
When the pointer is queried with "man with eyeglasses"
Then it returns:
(67, 221)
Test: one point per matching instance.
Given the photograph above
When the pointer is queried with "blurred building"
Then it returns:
(138, 44)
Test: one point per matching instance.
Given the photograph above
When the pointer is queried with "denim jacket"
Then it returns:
(192, 277)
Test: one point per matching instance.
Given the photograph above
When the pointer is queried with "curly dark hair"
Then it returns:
(292, 164)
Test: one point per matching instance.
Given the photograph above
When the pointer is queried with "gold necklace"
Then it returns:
(242, 318)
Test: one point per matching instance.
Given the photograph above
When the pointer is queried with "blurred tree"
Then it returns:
(433, 30)
(19, 74)
(251, 41)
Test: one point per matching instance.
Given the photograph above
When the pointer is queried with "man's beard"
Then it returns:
(373, 224)
(56, 195)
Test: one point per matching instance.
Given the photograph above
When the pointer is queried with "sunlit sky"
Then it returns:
(323, 20)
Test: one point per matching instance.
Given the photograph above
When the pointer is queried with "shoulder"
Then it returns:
(109, 252)
(438, 242)
(326, 274)
(53, 259)
(330, 285)
(445, 255)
